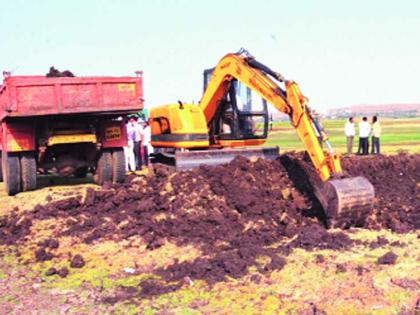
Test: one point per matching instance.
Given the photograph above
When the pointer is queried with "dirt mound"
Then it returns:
(42, 255)
(388, 259)
(232, 213)
(77, 262)
(55, 73)
(63, 272)
(14, 228)
(315, 236)
(396, 180)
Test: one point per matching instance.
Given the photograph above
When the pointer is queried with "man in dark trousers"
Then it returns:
(134, 131)
(146, 142)
(364, 132)
(376, 133)
(350, 132)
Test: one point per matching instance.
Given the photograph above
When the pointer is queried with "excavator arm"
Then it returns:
(262, 80)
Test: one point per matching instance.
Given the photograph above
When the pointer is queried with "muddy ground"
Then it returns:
(233, 214)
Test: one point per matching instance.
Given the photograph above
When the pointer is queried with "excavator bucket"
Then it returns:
(346, 202)
(191, 159)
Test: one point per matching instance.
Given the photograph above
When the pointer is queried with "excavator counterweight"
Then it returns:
(226, 124)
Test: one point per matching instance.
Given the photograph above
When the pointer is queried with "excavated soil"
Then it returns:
(233, 213)
(55, 73)
(397, 188)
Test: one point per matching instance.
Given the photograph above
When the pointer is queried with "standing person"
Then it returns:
(130, 164)
(147, 135)
(350, 132)
(138, 148)
(134, 132)
(376, 133)
(129, 150)
(364, 132)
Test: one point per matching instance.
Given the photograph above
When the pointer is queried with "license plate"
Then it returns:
(112, 133)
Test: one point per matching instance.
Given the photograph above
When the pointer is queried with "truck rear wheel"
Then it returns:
(28, 171)
(11, 172)
(104, 168)
(118, 165)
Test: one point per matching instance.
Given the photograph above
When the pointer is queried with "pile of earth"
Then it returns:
(396, 180)
(55, 73)
(233, 213)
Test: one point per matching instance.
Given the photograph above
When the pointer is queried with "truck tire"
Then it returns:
(104, 168)
(11, 172)
(118, 165)
(28, 171)
(1, 169)
(81, 172)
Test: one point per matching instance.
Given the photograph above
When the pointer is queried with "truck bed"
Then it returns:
(23, 96)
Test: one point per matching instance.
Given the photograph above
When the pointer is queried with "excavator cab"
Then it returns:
(241, 115)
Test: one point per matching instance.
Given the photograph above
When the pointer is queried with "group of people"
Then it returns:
(365, 131)
(138, 148)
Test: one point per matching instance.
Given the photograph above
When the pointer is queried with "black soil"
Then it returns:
(388, 259)
(233, 213)
(55, 73)
(42, 255)
(395, 178)
(49, 243)
(77, 262)
(51, 271)
(63, 272)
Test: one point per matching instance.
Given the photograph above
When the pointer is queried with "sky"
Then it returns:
(340, 52)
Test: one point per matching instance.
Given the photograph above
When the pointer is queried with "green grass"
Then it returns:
(397, 134)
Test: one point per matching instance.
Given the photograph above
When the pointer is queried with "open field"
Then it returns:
(397, 135)
(169, 243)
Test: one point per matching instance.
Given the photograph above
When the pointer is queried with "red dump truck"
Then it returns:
(68, 125)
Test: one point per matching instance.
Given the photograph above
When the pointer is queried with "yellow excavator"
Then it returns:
(232, 117)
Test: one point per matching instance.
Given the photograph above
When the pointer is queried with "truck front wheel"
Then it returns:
(118, 165)
(11, 172)
(28, 171)
(104, 168)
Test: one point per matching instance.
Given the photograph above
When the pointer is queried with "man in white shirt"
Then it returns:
(364, 132)
(130, 160)
(147, 148)
(135, 131)
(350, 132)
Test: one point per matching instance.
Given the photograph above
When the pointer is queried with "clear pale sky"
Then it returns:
(341, 52)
